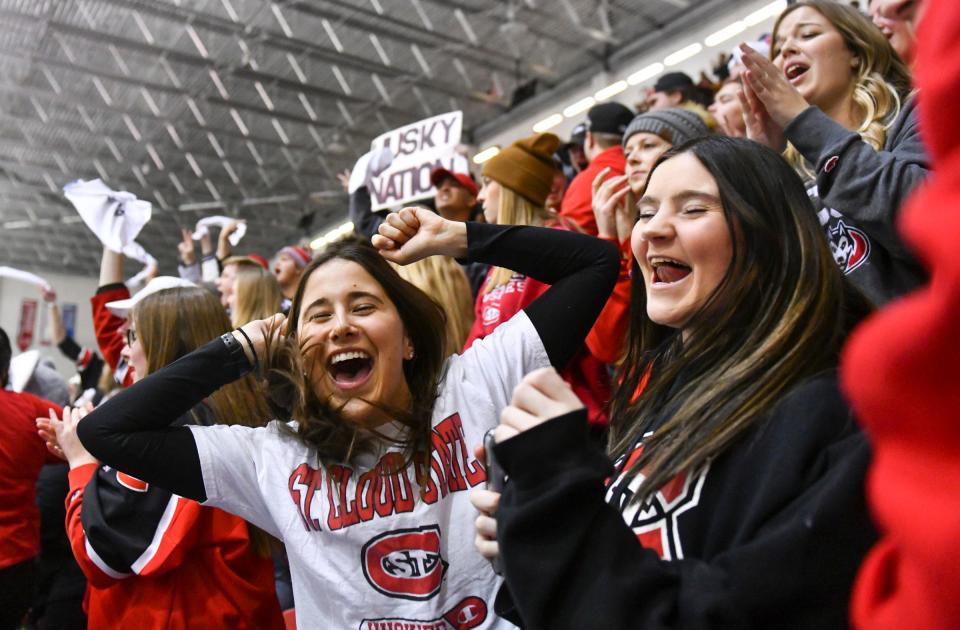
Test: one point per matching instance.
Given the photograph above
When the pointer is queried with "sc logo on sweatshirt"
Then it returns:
(405, 563)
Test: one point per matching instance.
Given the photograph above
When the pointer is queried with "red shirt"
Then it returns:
(577, 202)
(22, 454)
(106, 325)
(586, 375)
(607, 339)
(200, 572)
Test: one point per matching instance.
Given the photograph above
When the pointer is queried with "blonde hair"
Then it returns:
(514, 210)
(882, 82)
(257, 291)
(442, 278)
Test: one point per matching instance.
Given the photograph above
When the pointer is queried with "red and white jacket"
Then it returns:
(106, 326)
(157, 560)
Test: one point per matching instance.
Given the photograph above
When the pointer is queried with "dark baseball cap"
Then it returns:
(672, 81)
(463, 179)
(609, 118)
(577, 136)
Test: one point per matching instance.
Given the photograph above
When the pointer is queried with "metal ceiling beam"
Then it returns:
(126, 140)
(47, 168)
(394, 28)
(539, 13)
(198, 61)
(280, 41)
(74, 98)
(151, 85)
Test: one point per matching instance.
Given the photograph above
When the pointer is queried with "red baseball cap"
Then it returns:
(464, 179)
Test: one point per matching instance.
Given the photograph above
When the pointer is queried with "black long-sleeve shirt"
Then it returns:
(367, 222)
(769, 535)
(132, 431)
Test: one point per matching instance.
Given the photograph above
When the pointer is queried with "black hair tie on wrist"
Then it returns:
(256, 359)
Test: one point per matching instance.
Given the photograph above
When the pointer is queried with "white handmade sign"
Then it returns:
(417, 149)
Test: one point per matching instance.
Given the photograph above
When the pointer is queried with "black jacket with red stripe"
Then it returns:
(156, 559)
(122, 516)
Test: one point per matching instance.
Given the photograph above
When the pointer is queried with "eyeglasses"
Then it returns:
(131, 336)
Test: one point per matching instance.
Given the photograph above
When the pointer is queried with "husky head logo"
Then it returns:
(850, 246)
(405, 563)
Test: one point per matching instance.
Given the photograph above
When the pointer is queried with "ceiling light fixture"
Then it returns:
(549, 122)
(683, 54)
(333, 235)
(725, 33)
(486, 154)
(645, 74)
(610, 91)
(771, 10)
(579, 107)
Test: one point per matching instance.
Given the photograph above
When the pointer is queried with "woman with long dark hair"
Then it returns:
(154, 559)
(366, 482)
(735, 498)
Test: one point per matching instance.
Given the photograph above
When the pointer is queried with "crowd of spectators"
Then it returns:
(691, 367)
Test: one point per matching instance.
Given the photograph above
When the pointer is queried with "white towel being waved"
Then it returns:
(136, 251)
(24, 276)
(204, 225)
(116, 217)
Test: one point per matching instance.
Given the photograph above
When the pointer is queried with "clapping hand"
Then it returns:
(609, 202)
(769, 101)
(61, 438)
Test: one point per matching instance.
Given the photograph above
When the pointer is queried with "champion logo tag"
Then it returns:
(831, 164)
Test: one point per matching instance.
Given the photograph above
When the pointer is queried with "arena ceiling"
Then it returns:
(249, 108)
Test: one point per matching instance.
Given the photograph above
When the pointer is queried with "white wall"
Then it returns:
(633, 94)
(70, 289)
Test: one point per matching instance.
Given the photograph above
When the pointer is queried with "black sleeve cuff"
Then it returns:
(551, 449)
(111, 287)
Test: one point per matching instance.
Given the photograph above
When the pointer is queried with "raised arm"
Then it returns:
(581, 269)
(131, 431)
(57, 331)
(365, 220)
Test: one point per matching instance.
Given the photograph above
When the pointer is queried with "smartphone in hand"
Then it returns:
(495, 474)
(495, 480)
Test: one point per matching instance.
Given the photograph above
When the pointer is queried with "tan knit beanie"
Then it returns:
(526, 167)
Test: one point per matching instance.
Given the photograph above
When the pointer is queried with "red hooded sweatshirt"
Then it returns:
(901, 370)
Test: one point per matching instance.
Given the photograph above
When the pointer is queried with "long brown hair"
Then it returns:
(257, 291)
(320, 425)
(780, 315)
(173, 322)
(882, 81)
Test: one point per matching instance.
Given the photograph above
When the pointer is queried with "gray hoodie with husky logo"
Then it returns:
(858, 193)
